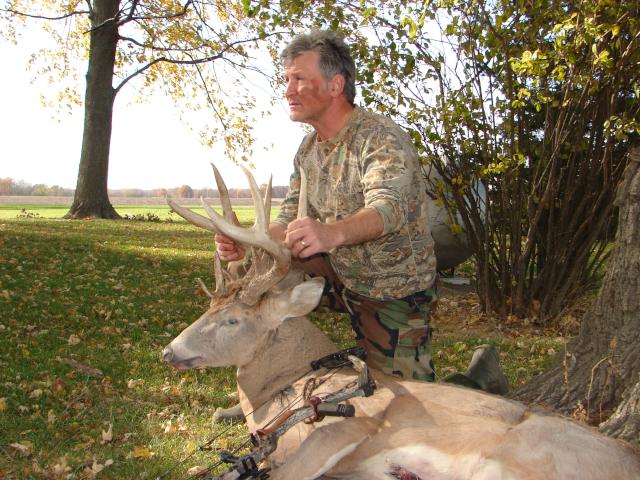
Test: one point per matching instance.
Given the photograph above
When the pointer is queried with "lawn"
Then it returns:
(154, 212)
(85, 310)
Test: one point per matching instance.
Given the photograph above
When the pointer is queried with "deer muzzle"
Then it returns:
(169, 356)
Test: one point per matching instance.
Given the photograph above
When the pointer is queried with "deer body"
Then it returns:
(405, 431)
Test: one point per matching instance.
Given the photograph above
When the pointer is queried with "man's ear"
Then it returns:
(297, 301)
(336, 85)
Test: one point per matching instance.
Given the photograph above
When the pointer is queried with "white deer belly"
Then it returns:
(420, 462)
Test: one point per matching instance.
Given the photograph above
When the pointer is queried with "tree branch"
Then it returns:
(170, 16)
(134, 5)
(131, 17)
(44, 17)
(213, 105)
(158, 48)
(195, 61)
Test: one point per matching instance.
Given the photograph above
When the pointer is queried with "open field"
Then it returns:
(85, 309)
(57, 207)
(46, 200)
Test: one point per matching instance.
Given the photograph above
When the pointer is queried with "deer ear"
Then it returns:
(299, 300)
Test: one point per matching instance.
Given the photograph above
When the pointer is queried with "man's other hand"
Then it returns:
(228, 250)
(306, 237)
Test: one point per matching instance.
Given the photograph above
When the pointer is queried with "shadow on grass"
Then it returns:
(85, 309)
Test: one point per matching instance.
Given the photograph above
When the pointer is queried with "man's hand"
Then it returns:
(306, 237)
(227, 248)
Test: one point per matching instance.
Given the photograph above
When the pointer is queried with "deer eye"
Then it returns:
(232, 321)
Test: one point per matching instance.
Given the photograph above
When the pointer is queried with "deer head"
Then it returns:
(242, 311)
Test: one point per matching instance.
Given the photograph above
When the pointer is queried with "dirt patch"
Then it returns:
(459, 310)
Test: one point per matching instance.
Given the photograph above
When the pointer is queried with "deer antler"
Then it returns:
(271, 260)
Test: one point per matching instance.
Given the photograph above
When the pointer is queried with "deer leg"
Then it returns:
(484, 372)
(325, 447)
(233, 413)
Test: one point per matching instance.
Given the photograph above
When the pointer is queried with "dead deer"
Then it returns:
(406, 429)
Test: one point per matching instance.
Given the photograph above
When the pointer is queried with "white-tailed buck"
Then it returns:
(406, 430)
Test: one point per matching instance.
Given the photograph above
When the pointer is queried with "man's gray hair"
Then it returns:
(335, 56)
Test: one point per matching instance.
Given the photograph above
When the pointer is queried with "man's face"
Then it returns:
(307, 90)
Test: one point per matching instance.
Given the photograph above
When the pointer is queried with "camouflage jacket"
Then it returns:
(370, 163)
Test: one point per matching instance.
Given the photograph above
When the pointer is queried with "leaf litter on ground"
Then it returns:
(85, 310)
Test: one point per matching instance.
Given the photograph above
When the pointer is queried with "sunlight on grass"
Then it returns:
(85, 311)
(86, 307)
(246, 214)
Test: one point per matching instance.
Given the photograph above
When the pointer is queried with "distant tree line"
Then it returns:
(9, 186)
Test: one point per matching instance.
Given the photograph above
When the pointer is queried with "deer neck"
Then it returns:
(283, 359)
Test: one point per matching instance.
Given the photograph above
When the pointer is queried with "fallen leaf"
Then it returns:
(108, 435)
(61, 467)
(51, 416)
(92, 372)
(37, 393)
(142, 453)
(3, 404)
(96, 468)
(73, 340)
(131, 383)
(196, 471)
(57, 385)
(24, 448)
(170, 427)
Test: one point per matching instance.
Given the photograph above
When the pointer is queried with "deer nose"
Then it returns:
(167, 354)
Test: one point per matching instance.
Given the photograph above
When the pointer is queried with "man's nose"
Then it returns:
(289, 90)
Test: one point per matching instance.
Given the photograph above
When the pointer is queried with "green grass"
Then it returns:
(109, 295)
(520, 358)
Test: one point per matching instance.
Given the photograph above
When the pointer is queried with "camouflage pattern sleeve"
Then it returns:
(370, 163)
(387, 178)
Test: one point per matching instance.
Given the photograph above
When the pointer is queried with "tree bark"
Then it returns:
(91, 198)
(625, 421)
(600, 369)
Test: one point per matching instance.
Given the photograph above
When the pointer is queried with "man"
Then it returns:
(367, 231)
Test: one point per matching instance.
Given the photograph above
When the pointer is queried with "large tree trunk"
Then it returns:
(601, 366)
(625, 421)
(91, 198)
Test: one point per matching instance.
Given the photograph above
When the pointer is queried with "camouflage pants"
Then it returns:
(395, 333)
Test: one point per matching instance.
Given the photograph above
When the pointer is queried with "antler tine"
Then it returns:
(224, 195)
(302, 196)
(204, 288)
(219, 273)
(267, 199)
(192, 217)
(256, 236)
(261, 222)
